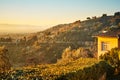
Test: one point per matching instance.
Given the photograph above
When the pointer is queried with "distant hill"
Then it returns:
(14, 28)
(47, 46)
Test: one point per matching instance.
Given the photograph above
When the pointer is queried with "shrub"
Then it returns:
(4, 62)
(75, 54)
(88, 18)
(113, 58)
(95, 72)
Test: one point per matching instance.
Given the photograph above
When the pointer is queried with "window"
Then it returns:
(104, 46)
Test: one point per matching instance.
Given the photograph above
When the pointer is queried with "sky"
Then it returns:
(47, 13)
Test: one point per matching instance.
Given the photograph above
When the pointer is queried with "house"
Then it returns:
(107, 41)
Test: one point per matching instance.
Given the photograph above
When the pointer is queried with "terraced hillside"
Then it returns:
(47, 46)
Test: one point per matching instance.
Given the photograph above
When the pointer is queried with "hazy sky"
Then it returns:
(51, 12)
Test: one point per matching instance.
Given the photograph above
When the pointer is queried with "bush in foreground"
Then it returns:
(81, 69)
(113, 58)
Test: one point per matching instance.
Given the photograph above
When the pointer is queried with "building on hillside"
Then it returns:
(107, 41)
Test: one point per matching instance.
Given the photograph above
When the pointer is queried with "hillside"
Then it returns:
(76, 34)
(81, 69)
(47, 46)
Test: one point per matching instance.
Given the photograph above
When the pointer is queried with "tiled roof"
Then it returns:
(114, 33)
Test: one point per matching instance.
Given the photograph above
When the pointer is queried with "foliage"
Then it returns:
(117, 14)
(81, 69)
(4, 62)
(88, 18)
(8, 39)
(112, 57)
(104, 15)
(75, 53)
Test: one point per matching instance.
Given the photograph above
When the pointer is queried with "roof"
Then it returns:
(113, 33)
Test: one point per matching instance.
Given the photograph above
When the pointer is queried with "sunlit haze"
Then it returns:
(47, 13)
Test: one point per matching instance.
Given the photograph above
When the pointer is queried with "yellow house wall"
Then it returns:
(112, 43)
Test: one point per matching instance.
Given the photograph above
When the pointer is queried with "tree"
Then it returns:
(113, 58)
(88, 18)
(67, 53)
(94, 17)
(75, 54)
(104, 15)
(117, 14)
(4, 62)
